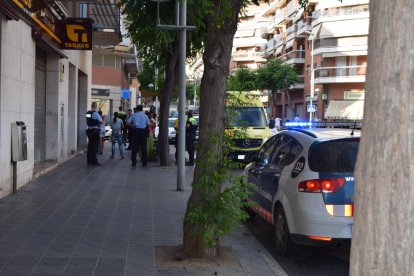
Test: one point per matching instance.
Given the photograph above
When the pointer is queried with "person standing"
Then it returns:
(139, 123)
(117, 125)
(129, 132)
(191, 131)
(93, 120)
(102, 131)
(123, 116)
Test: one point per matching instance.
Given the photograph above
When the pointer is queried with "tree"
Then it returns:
(275, 76)
(221, 20)
(244, 79)
(382, 242)
(160, 47)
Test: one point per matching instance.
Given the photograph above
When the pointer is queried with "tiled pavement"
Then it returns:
(79, 220)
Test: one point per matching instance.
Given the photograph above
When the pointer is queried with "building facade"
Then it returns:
(41, 85)
(335, 36)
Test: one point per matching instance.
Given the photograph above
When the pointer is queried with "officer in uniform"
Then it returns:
(93, 120)
(191, 130)
(139, 123)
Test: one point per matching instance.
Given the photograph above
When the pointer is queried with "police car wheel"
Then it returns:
(283, 241)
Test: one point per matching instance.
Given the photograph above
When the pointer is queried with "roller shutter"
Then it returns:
(40, 107)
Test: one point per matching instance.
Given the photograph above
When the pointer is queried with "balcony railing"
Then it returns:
(280, 40)
(300, 83)
(270, 46)
(246, 55)
(291, 30)
(280, 15)
(338, 11)
(298, 55)
(341, 72)
(292, 7)
(335, 42)
(304, 26)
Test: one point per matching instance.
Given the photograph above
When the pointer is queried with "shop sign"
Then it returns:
(100, 92)
(75, 33)
(354, 96)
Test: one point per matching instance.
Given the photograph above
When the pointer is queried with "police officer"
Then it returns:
(93, 120)
(190, 136)
(139, 123)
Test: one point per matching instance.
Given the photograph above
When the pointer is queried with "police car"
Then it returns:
(303, 183)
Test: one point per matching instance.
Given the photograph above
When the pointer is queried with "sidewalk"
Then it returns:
(109, 220)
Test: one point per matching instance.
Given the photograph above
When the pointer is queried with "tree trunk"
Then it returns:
(166, 93)
(383, 233)
(216, 58)
(289, 101)
(274, 100)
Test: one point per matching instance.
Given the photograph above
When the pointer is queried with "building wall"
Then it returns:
(66, 100)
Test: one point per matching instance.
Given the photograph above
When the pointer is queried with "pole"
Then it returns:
(181, 104)
(312, 83)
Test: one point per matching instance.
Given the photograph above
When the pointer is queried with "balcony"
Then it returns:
(344, 44)
(300, 84)
(293, 57)
(280, 40)
(280, 16)
(345, 12)
(270, 47)
(271, 25)
(291, 32)
(343, 74)
(303, 26)
(247, 56)
(292, 7)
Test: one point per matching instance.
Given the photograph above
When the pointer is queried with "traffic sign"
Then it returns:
(311, 108)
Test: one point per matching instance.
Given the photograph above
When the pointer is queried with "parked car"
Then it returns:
(303, 184)
(171, 131)
(108, 132)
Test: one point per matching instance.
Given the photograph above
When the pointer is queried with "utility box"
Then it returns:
(19, 141)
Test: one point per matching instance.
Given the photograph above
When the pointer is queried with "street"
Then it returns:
(329, 260)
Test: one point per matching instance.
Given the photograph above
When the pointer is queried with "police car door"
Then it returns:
(284, 154)
(256, 167)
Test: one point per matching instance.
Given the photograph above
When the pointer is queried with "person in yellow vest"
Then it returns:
(190, 137)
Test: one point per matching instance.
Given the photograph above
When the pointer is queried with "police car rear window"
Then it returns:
(334, 156)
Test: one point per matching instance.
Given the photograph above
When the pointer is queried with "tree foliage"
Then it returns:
(244, 79)
(275, 75)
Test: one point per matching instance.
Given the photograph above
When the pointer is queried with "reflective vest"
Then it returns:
(90, 121)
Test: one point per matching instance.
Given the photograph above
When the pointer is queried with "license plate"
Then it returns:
(240, 157)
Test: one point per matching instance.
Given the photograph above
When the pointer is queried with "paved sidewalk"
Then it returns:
(79, 220)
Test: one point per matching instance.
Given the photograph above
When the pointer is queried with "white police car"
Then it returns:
(303, 184)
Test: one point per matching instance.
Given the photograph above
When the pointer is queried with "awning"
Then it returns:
(244, 33)
(355, 27)
(315, 31)
(289, 43)
(345, 110)
(298, 15)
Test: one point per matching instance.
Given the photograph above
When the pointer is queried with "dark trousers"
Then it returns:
(93, 145)
(139, 142)
(189, 141)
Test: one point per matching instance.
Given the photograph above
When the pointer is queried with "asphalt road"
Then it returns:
(321, 260)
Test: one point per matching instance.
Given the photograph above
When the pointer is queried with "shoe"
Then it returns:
(134, 164)
(111, 156)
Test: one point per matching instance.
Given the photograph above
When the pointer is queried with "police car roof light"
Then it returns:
(298, 124)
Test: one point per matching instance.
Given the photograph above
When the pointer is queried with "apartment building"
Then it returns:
(43, 85)
(332, 33)
(248, 44)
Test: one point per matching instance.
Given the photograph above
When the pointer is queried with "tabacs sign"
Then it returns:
(76, 33)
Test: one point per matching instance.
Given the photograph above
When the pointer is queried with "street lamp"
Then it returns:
(180, 25)
(312, 82)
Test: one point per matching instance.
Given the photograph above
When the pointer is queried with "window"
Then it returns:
(83, 10)
(334, 156)
(266, 151)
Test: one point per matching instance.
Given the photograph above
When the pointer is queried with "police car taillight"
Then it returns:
(327, 185)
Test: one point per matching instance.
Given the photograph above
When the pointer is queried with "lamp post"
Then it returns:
(312, 81)
(180, 25)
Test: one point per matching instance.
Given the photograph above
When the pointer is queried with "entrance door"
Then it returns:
(40, 107)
